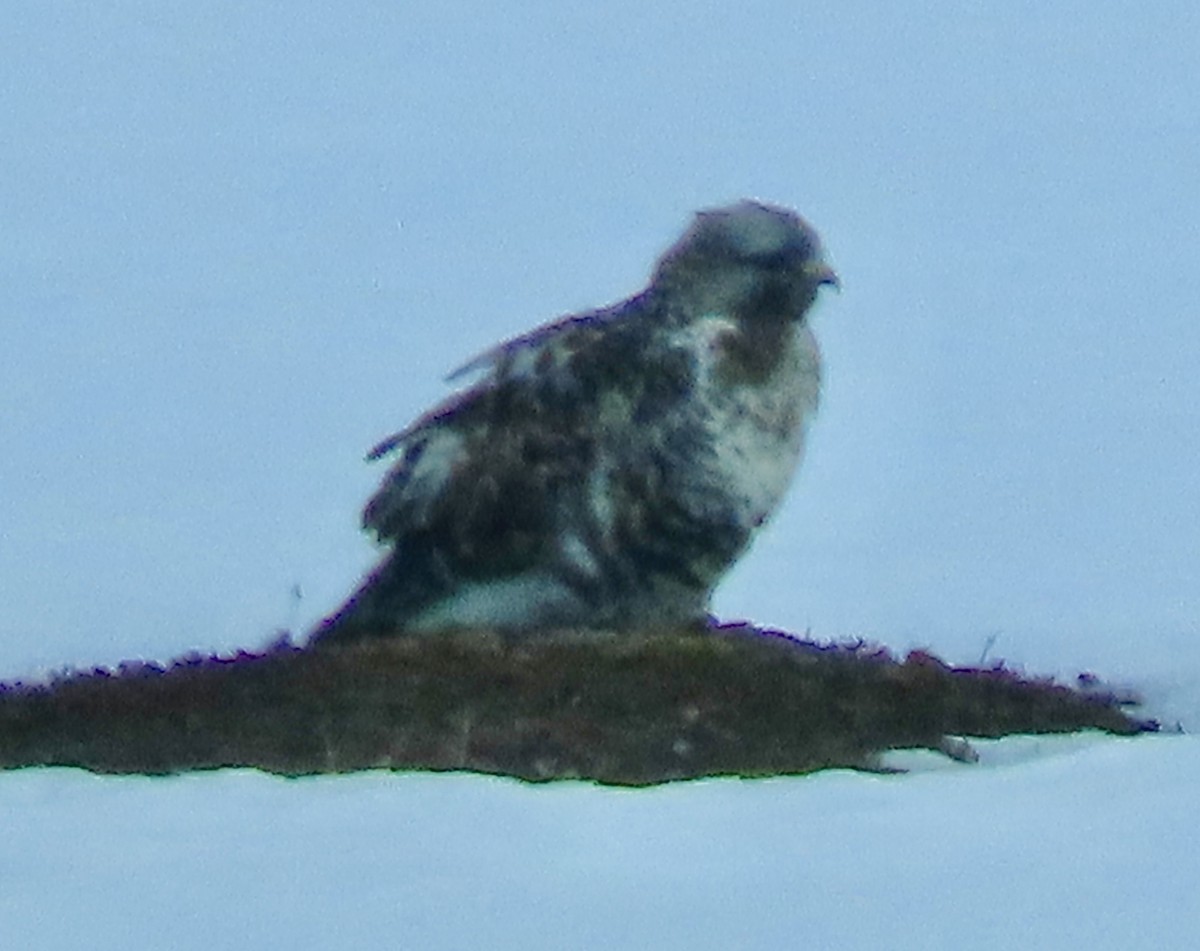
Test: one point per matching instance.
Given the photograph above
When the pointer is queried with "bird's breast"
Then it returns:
(755, 398)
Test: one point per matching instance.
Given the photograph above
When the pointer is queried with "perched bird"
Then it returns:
(608, 468)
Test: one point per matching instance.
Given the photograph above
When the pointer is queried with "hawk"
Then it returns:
(605, 470)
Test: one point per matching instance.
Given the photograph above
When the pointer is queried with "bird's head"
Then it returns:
(749, 260)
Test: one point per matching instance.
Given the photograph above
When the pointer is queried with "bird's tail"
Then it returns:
(381, 606)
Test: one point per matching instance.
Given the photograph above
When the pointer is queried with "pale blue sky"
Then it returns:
(240, 243)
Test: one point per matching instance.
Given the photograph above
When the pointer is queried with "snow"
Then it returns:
(242, 242)
(1089, 844)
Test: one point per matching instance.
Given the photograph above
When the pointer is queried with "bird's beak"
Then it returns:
(821, 273)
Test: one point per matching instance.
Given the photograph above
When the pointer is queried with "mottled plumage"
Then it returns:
(607, 469)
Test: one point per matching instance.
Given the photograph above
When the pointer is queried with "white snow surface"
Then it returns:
(239, 243)
(1088, 844)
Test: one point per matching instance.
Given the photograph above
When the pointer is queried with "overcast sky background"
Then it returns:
(241, 242)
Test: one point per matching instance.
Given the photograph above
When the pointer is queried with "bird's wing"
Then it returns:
(480, 472)
(512, 359)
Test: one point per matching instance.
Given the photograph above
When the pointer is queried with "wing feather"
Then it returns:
(519, 353)
(497, 449)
